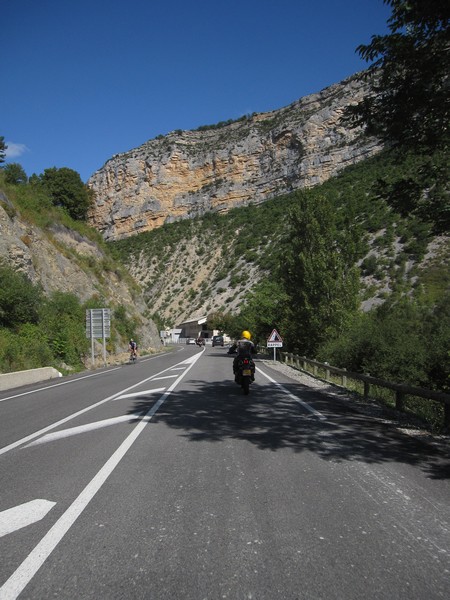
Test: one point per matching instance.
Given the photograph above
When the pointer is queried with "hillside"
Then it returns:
(198, 266)
(59, 255)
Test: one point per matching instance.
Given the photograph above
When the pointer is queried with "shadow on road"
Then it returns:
(271, 420)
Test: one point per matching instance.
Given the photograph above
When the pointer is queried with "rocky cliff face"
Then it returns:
(188, 173)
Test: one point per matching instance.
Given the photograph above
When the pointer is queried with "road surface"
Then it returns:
(161, 480)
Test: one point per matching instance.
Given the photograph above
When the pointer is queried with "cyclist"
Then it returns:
(132, 347)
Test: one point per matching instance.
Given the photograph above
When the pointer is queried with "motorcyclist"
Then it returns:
(245, 349)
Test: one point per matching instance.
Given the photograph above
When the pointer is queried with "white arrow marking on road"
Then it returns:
(13, 587)
(78, 413)
(137, 394)
(57, 435)
(23, 515)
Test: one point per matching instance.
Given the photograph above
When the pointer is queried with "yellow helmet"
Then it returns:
(246, 334)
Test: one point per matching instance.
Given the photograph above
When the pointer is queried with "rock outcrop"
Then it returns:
(253, 159)
(61, 259)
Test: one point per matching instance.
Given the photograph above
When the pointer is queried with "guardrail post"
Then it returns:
(366, 388)
(304, 362)
(315, 370)
(344, 379)
(327, 372)
(399, 400)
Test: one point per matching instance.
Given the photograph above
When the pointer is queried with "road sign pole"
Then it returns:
(274, 354)
(104, 336)
(91, 317)
(98, 325)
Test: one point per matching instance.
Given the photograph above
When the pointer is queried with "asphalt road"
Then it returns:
(161, 480)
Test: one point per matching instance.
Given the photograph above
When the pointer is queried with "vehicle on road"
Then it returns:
(217, 340)
(190, 341)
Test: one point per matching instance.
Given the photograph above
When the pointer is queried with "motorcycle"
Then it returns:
(245, 373)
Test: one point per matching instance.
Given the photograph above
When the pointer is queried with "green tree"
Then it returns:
(67, 190)
(27, 349)
(408, 76)
(388, 342)
(3, 147)
(437, 343)
(318, 276)
(219, 320)
(14, 174)
(19, 298)
(263, 309)
(63, 318)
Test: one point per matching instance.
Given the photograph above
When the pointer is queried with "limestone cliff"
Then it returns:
(188, 173)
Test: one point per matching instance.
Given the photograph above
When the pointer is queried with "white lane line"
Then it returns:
(165, 377)
(33, 562)
(141, 393)
(48, 387)
(36, 434)
(75, 380)
(23, 515)
(312, 410)
(58, 435)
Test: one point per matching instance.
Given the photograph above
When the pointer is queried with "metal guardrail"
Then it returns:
(401, 390)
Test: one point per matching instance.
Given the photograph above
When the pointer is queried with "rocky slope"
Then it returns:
(61, 259)
(189, 173)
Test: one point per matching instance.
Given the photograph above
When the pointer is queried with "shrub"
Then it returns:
(19, 298)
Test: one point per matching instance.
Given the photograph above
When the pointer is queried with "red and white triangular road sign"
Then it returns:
(275, 337)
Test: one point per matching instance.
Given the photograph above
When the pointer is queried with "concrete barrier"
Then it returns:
(12, 380)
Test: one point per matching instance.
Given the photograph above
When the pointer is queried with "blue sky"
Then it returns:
(83, 80)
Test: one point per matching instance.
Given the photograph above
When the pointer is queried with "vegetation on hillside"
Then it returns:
(320, 254)
(36, 330)
(49, 330)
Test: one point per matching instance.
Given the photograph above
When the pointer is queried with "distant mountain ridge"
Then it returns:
(189, 173)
